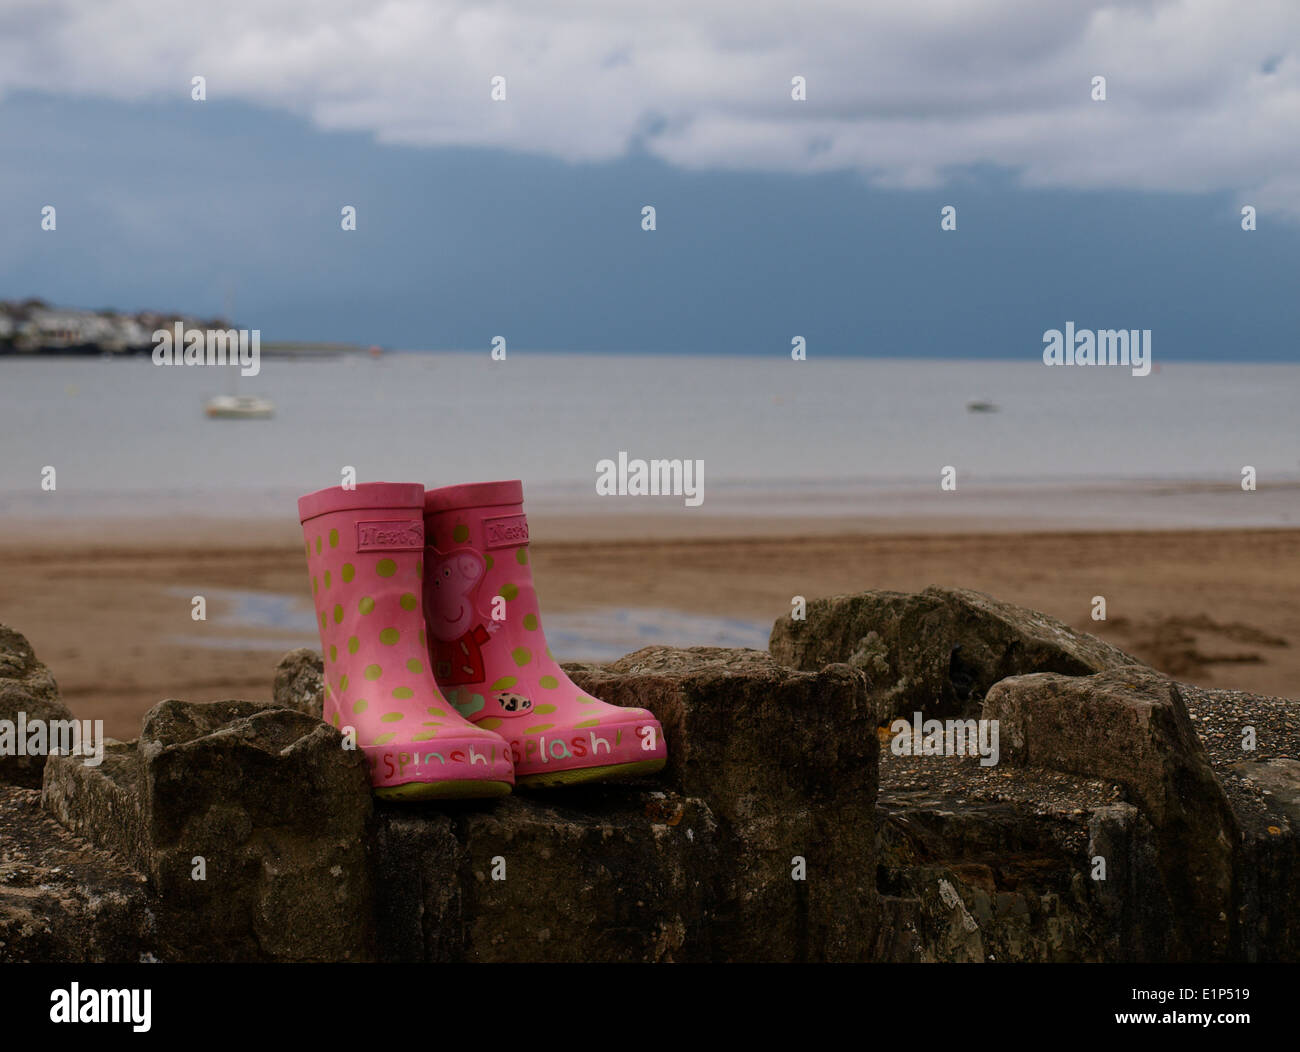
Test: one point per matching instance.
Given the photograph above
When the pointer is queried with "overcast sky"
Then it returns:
(775, 217)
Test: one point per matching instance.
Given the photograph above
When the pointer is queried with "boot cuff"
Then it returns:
(473, 495)
(365, 495)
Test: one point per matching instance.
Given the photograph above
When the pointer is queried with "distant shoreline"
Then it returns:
(36, 329)
(280, 349)
(328, 349)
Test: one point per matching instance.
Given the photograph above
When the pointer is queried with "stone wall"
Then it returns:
(1122, 820)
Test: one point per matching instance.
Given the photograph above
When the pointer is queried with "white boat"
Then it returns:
(232, 405)
(240, 407)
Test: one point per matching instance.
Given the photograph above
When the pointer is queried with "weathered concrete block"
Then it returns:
(800, 886)
(590, 874)
(936, 651)
(616, 875)
(1131, 726)
(787, 762)
(105, 803)
(621, 874)
(61, 899)
(606, 880)
(250, 822)
(26, 686)
(971, 874)
(300, 682)
(278, 811)
(1253, 741)
(756, 843)
(419, 866)
(748, 735)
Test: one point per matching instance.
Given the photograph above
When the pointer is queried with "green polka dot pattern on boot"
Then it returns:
(372, 635)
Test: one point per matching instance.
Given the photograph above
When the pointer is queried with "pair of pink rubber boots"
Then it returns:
(434, 652)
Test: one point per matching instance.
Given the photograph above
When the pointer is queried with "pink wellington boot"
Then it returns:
(499, 673)
(365, 552)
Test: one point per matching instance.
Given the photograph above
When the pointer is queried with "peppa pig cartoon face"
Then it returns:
(451, 611)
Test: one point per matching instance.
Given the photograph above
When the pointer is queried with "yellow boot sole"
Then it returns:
(581, 775)
(453, 789)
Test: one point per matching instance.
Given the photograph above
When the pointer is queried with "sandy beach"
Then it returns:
(822, 481)
(107, 604)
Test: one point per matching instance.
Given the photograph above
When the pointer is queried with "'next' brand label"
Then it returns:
(505, 532)
(383, 535)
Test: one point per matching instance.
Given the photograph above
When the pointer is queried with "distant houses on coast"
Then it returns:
(32, 327)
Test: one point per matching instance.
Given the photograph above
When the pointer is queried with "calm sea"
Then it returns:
(823, 435)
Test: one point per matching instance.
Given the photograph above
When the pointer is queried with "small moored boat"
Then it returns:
(240, 407)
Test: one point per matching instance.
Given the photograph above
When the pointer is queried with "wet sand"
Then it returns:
(107, 603)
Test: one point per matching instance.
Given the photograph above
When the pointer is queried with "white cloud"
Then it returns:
(1204, 95)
